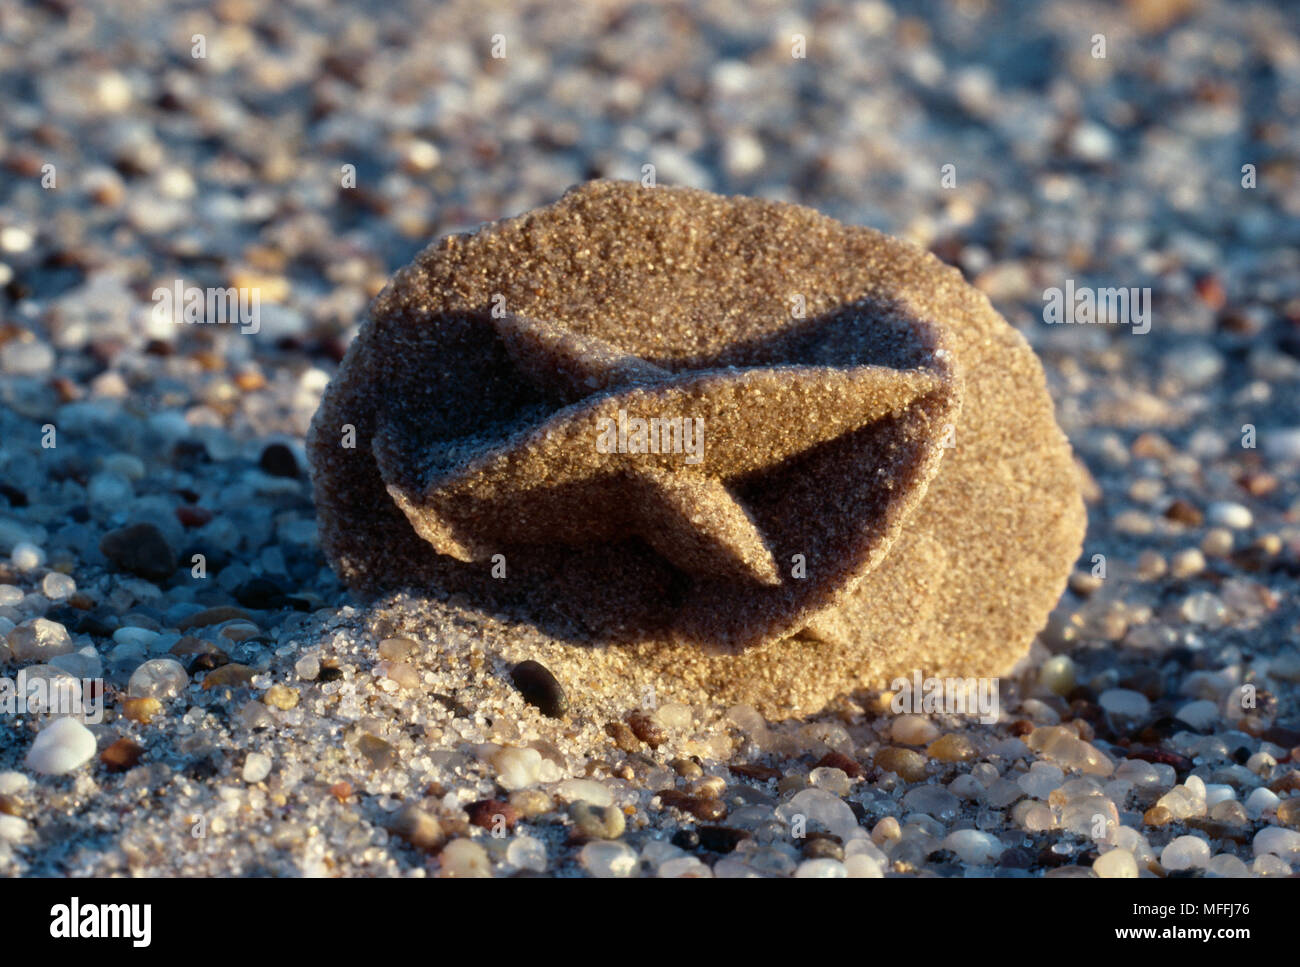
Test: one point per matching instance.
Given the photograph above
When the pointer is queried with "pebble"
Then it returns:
(953, 747)
(62, 746)
(608, 859)
(973, 847)
(934, 801)
(159, 678)
(1283, 843)
(140, 549)
(821, 869)
(1124, 703)
(1116, 864)
(1185, 853)
(39, 640)
(596, 793)
(527, 853)
(1231, 515)
(1041, 779)
(57, 586)
(256, 767)
(26, 556)
(464, 858)
(1057, 675)
(539, 688)
(419, 828)
(121, 755)
(907, 763)
(597, 822)
(1187, 563)
(913, 730)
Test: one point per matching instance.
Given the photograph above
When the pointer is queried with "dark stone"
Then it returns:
(719, 839)
(449, 702)
(261, 594)
(278, 461)
(12, 494)
(838, 760)
(687, 839)
(140, 549)
(484, 814)
(539, 688)
(328, 674)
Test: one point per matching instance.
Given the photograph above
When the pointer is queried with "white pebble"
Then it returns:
(13, 829)
(10, 595)
(1225, 513)
(63, 745)
(39, 640)
(160, 678)
(1185, 853)
(516, 768)
(527, 853)
(1283, 843)
(1200, 714)
(1125, 703)
(256, 767)
(585, 790)
(1261, 801)
(973, 846)
(913, 730)
(1041, 779)
(12, 783)
(57, 586)
(821, 869)
(26, 556)
(608, 858)
(1117, 864)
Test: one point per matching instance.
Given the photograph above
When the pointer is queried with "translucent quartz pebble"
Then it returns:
(974, 847)
(1041, 779)
(1125, 703)
(821, 869)
(39, 640)
(585, 790)
(1225, 864)
(527, 853)
(160, 678)
(1064, 747)
(256, 767)
(684, 867)
(63, 745)
(1185, 853)
(608, 858)
(1283, 843)
(1185, 801)
(821, 807)
(517, 768)
(1117, 864)
(934, 801)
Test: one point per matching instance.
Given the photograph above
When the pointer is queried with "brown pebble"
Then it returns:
(645, 728)
(9, 806)
(908, 764)
(121, 755)
(193, 516)
(836, 760)
(623, 736)
(705, 809)
(342, 791)
(1158, 816)
(379, 753)
(1182, 512)
(141, 710)
(233, 675)
(754, 771)
(951, 748)
(212, 616)
(687, 768)
(493, 814)
(418, 828)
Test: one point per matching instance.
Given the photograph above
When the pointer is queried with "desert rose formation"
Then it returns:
(740, 447)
